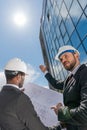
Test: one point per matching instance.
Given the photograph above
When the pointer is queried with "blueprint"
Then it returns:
(42, 99)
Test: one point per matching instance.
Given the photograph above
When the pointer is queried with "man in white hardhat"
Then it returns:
(15, 67)
(16, 109)
(74, 111)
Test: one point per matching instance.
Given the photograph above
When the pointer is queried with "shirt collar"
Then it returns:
(13, 85)
(75, 70)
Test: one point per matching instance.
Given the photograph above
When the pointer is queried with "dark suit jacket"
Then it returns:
(75, 99)
(17, 111)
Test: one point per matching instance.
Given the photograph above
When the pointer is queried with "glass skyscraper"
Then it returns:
(63, 22)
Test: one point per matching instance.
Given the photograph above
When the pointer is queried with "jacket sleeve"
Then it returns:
(77, 115)
(54, 82)
(27, 115)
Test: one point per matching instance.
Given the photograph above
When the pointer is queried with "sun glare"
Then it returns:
(19, 19)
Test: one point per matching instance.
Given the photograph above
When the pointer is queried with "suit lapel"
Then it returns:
(69, 84)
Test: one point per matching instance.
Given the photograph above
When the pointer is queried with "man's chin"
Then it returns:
(67, 68)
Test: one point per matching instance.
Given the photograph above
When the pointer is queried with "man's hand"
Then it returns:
(56, 108)
(43, 68)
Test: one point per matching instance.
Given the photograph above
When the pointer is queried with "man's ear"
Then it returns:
(76, 55)
(18, 76)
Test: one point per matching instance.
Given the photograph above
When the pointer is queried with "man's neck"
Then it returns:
(75, 69)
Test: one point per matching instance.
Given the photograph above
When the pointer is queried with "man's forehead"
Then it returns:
(66, 53)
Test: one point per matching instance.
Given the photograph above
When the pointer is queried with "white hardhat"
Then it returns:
(66, 48)
(16, 64)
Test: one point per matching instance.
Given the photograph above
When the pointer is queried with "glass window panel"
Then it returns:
(57, 31)
(63, 11)
(48, 27)
(86, 11)
(59, 66)
(54, 4)
(66, 38)
(65, 72)
(50, 46)
(52, 1)
(48, 3)
(59, 2)
(62, 28)
(59, 19)
(54, 36)
(52, 11)
(69, 25)
(68, 3)
(83, 3)
(57, 76)
(61, 41)
(56, 70)
(59, 70)
(56, 10)
(55, 52)
(49, 16)
(83, 55)
(62, 76)
(82, 27)
(69, 43)
(75, 11)
(53, 45)
(49, 41)
(52, 28)
(51, 36)
(75, 39)
(57, 44)
(85, 43)
(54, 21)
(53, 55)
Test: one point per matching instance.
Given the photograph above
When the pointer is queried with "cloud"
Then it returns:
(33, 75)
(2, 79)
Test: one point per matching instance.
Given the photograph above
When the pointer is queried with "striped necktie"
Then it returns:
(68, 79)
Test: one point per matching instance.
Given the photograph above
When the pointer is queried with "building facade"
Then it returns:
(63, 22)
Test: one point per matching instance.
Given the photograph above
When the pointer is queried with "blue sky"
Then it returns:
(22, 42)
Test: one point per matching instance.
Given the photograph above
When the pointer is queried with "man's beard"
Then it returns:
(20, 85)
(71, 66)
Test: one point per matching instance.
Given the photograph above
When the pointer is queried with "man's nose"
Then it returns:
(63, 60)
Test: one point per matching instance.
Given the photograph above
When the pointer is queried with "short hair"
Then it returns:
(11, 74)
